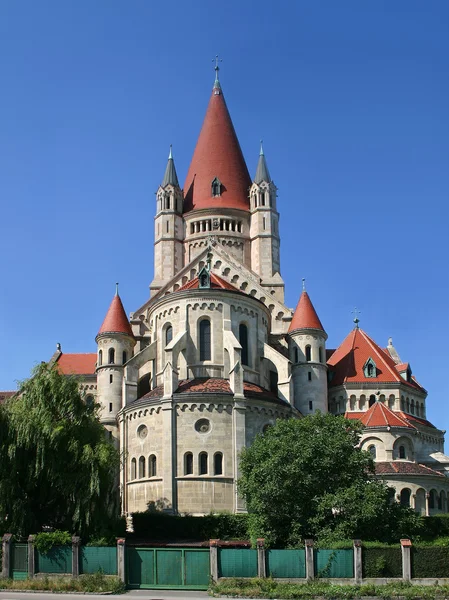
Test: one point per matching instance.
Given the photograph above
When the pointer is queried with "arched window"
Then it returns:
(152, 466)
(372, 450)
(202, 463)
(372, 399)
(89, 400)
(405, 497)
(308, 353)
(111, 356)
(188, 463)
(168, 335)
(124, 357)
(402, 403)
(133, 469)
(412, 407)
(417, 409)
(243, 338)
(432, 499)
(407, 405)
(402, 453)
(423, 413)
(370, 369)
(296, 353)
(141, 467)
(218, 463)
(320, 354)
(100, 358)
(205, 348)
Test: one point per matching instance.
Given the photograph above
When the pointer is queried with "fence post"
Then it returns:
(75, 556)
(357, 561)
(310, 560)
(261, 563)
(31, 557)
(213, 546)
(6, 568)
(121, 559)
(406, 560)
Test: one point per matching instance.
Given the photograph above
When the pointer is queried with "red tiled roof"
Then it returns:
(217, 154)
(216, 283)
(402, 367)
(214, 385)
(404, 468)
(305, 316)
(116, 320)
(5, 395)
(416, 420)
(379, 415)
(77, 364)
(347, 362)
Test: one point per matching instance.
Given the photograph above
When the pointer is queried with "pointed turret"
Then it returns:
(305, 316)
(218, 176)
(262, 173)
(115, 320)
(170, 177)
(307, 343)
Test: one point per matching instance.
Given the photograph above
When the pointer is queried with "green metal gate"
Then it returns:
(19, 561)
(169, 568)
(334, 563)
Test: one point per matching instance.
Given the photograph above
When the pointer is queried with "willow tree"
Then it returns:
(57, 468)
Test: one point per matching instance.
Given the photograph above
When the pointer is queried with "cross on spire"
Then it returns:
(356, 312)
(116, 288)
(303, 284)
(217, 60)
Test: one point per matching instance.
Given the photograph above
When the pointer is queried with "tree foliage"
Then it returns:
(308, 478)
(57, 468)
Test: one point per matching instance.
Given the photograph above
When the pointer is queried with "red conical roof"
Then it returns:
(217, 155)
(305, 316)
(116, 320)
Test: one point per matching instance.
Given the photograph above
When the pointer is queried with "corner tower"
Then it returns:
(168, 228)
(264, 231)
(307, 346)
(115, 342)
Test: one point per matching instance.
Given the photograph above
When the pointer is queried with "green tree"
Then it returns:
(57, 468)
(308, 478)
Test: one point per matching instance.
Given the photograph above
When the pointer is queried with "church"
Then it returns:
(213, 357)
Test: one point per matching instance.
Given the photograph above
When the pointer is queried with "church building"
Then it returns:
(213, 356)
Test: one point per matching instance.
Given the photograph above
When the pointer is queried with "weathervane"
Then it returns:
(356, 312)
(216, 60)
(303, 284)
(116, 288)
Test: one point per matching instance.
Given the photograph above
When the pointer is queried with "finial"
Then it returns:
(216, 60)
(390, 341)
(261, 148)
(170, 155)
(116, 288)
(58, 347)
(356, 312)
(303, 284)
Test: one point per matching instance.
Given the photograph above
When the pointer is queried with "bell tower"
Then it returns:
(168, 229)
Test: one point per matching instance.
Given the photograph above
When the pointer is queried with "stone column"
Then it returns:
(357, 561)
(406, 560)
(413, 501)
(213, 546)
(6, 542)
(31, 557)
(121, 559)
(239, 427)
(168, 443)
(76, 556)
(427, 504)
(310, 561)
(261, 562)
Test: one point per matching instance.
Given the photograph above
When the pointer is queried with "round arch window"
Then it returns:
(142, 431)
(202, 426)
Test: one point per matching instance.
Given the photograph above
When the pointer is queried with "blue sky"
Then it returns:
(351, 99)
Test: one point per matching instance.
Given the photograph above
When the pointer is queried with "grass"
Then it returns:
(268, 588)
(97, 582)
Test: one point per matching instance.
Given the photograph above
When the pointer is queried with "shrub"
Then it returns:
(44, 542)
(430, 561)
(381, 561)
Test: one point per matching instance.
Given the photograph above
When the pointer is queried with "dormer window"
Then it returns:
(216, 187)
(369, 368)
(204, 278)
(408, 374)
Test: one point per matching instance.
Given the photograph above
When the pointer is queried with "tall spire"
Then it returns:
(262, 173)
(217, 158)
(170, 177)
(305, 316)
(116, 320)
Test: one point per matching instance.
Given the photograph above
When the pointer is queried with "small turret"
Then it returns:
(307, 343)
(168, 228)
(115, 342)
(265, 240)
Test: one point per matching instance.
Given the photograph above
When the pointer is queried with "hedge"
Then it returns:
(430, 561)
(435, 527)
(381, 561)
(163, 527)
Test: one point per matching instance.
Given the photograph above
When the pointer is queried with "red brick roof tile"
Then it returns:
(5, 395)
(216, 283)
(217, 154)
(347, 362)
(77, 364)
(305, 316)
(116, 320)
(404, 468)
(379, 415)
